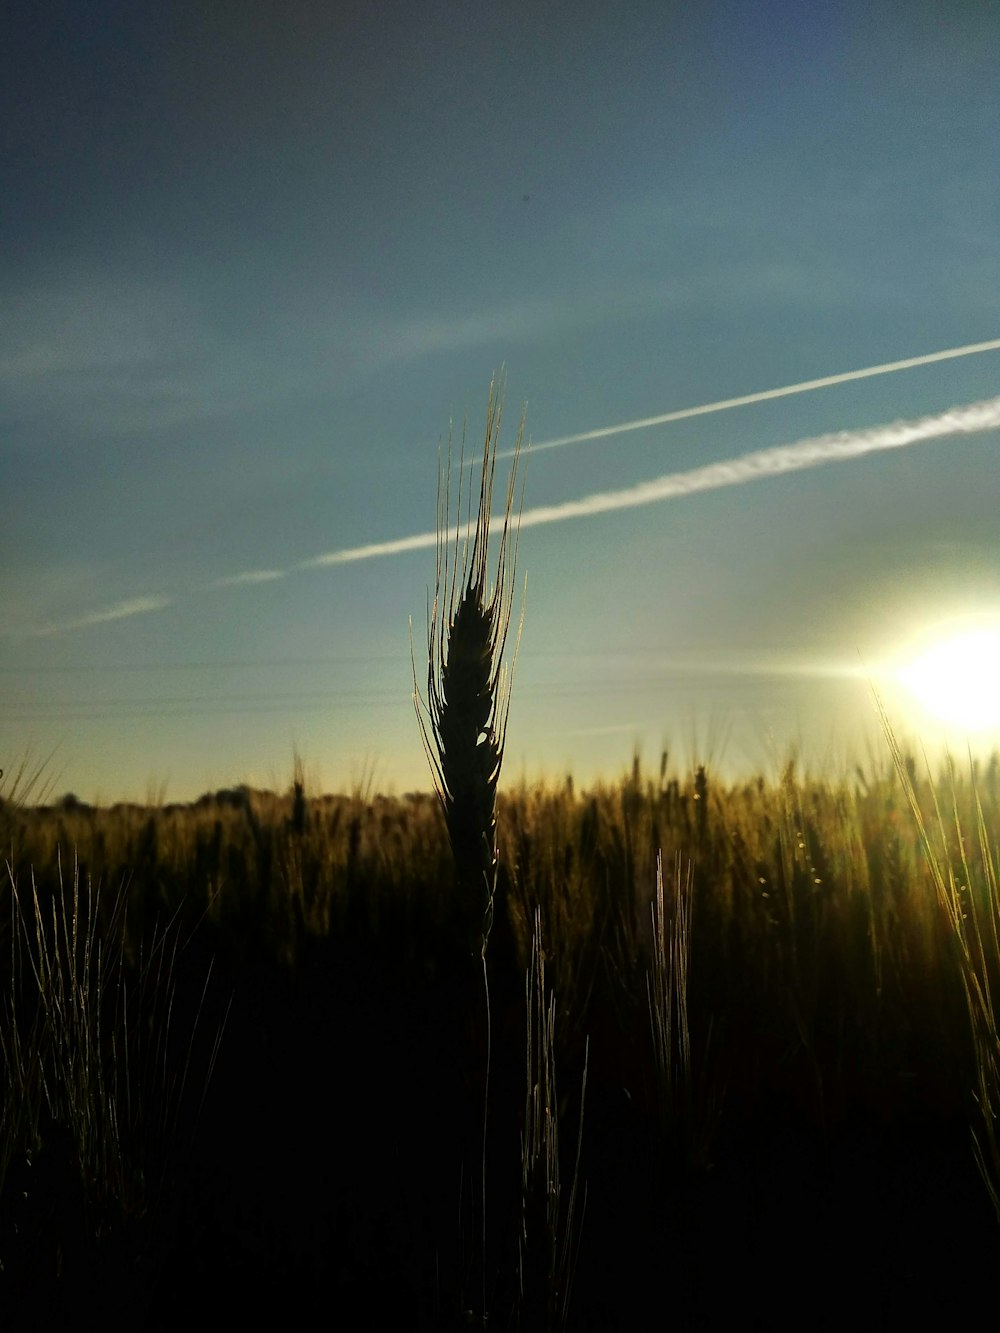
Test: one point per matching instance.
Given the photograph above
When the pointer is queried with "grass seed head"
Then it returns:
(464, 722)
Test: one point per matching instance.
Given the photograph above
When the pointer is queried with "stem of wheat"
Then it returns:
(464, 722)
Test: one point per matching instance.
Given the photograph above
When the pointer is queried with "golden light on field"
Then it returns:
(956, 678)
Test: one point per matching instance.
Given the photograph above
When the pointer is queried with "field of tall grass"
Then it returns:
(671, 1050)
(787, 1034)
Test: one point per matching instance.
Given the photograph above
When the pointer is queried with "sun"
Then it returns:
(956, 679)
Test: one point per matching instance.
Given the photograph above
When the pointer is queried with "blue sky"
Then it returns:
(254, 258)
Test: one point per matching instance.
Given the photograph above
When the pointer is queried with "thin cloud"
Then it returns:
(250, 576)
(133, 606)
(352, 553)
(726, 404)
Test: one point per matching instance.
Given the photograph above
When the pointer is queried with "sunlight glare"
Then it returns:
(957, 679)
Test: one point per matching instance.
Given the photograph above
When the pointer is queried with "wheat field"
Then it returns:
(509, 1055)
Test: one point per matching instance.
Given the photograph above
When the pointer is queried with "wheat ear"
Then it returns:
(464, 724)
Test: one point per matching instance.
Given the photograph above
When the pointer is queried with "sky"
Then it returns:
(257, 260)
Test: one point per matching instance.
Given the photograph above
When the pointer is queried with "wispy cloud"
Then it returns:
(132, 606)
(352, 553)
(726, 404)
(423, 334)
(250, 576)
(111, 357)
(375, 343)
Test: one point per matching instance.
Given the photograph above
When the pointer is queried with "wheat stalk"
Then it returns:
(549, 1235)
(667, 994)
(464, 723)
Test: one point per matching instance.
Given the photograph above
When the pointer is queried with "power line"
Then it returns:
(667, 680)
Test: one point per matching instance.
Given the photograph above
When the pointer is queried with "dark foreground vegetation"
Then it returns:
(786, 1079)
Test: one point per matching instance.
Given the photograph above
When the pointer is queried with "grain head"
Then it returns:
(464, 721)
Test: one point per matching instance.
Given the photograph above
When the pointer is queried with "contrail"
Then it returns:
(724, 404)
(395, 547)
(775, 462)
(133, 606)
